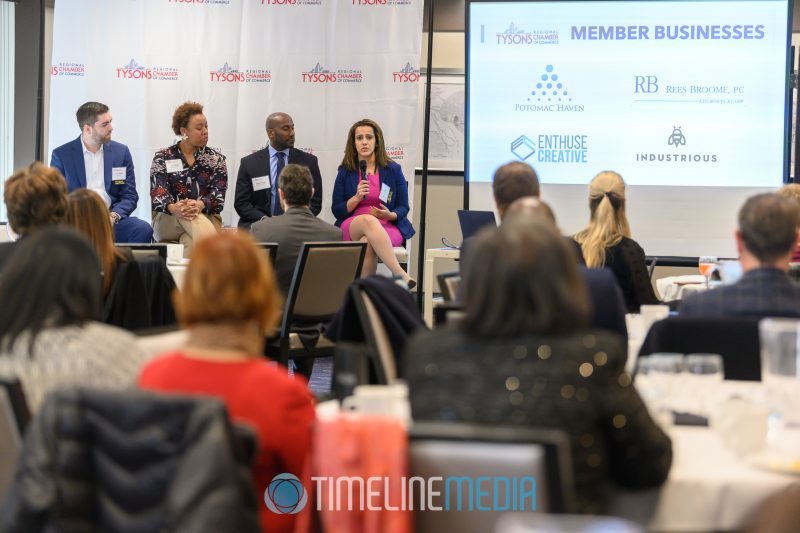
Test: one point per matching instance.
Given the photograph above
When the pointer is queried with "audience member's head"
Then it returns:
(767, 233)
(531, 205)
(523, 279)
(229, 282)
(296, 186)
(511, 181)
(607, 222)
(35, 197)
(88, 214)
(54, 279)
(791, 192)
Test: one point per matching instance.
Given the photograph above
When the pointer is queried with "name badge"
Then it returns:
(174, 165)
(118, 175)
(260, 183)
(385, 193)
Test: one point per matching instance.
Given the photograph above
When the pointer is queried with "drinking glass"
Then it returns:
(707, 265)
(705, 374)
(657, 380)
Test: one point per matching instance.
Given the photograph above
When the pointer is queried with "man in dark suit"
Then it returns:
(766, 239)
(258, 173)
(297, 225)
(96, 162)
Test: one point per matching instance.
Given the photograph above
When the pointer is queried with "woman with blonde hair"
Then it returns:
(792, 192)
(606, 241)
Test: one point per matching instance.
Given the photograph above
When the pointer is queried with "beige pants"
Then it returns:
(171, 228)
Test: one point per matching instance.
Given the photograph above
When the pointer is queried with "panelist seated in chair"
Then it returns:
(522, 355)
(96, 162)
(766, 240)
(228, 304)
(372, 205)
(297, 225)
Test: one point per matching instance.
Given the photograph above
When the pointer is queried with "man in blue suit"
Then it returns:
(96, 162)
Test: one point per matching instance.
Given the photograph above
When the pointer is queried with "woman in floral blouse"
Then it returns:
(188, 181)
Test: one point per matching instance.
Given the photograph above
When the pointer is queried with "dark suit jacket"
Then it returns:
(605, 297)
(347, 183)
(453, 376)
(290, 230)
(251, 205)
(68, 159)
(759, 293)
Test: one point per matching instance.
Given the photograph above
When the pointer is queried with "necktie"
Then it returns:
(276, 201)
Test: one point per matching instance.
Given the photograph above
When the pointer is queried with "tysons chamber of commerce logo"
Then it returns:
(396, 153)
(676, 139)
(407, 74)
(199, 2)
(135, 71)
(285, 495)
(552, 148)
(68, 69)
(549, 94)
(517, 36)
(291, 2)
(228, 74)
(320, 74)
(381, 2)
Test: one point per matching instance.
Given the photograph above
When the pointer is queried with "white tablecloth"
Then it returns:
(676, 287)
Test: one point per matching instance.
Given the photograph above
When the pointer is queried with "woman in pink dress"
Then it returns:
(372, 206)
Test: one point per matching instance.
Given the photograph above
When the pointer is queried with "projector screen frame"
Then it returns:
(788, 71)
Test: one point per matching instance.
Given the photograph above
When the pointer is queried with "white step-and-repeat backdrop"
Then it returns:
(328, 63)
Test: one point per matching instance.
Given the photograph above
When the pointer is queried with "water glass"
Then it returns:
(702, 383)
(658, 381)
(780, 370)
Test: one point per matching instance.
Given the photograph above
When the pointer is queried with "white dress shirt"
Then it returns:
(95, 175)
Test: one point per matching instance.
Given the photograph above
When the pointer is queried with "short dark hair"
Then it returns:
(183, 113)
(54, 279)
(296, 183)
(35, 197)
(87, 113)
(768, 226)
(514, 180)
(522, 279)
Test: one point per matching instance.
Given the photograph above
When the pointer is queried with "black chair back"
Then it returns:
(141, 250)
(734, 338)
(272, 251)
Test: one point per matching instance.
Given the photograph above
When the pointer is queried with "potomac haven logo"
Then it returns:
(408, 74)
(517, 36)
(285, 495)
(64, 68)
(549, 148)
(676, 139)
(320, 74)
(229, 74)
(135, 71)
(549, 95)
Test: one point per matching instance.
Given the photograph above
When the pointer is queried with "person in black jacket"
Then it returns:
(257, 181)
(523, 356)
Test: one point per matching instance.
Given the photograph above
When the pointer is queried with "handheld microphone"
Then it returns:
(362, 166)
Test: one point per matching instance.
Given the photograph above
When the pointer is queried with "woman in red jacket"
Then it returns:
(229, 303)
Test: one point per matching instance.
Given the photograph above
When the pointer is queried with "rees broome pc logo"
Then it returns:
(285, 495)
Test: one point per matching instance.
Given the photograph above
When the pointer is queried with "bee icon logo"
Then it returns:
(676, 138)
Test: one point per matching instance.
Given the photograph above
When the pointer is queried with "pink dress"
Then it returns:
(372, 200)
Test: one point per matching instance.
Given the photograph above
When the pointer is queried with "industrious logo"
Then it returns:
(135, 71)
(68, 69)
(229, 74)
(552, 148)
(320, 74)
(677, 140)
(407, 74)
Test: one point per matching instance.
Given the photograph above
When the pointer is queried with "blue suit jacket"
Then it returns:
(347, 183)
(68, 159)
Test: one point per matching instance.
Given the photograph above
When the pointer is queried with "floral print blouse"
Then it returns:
(206, 180)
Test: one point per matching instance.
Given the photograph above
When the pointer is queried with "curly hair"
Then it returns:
(183, 113)
(35, 197)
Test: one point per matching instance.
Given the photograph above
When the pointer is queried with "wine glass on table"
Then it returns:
(707, 265)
